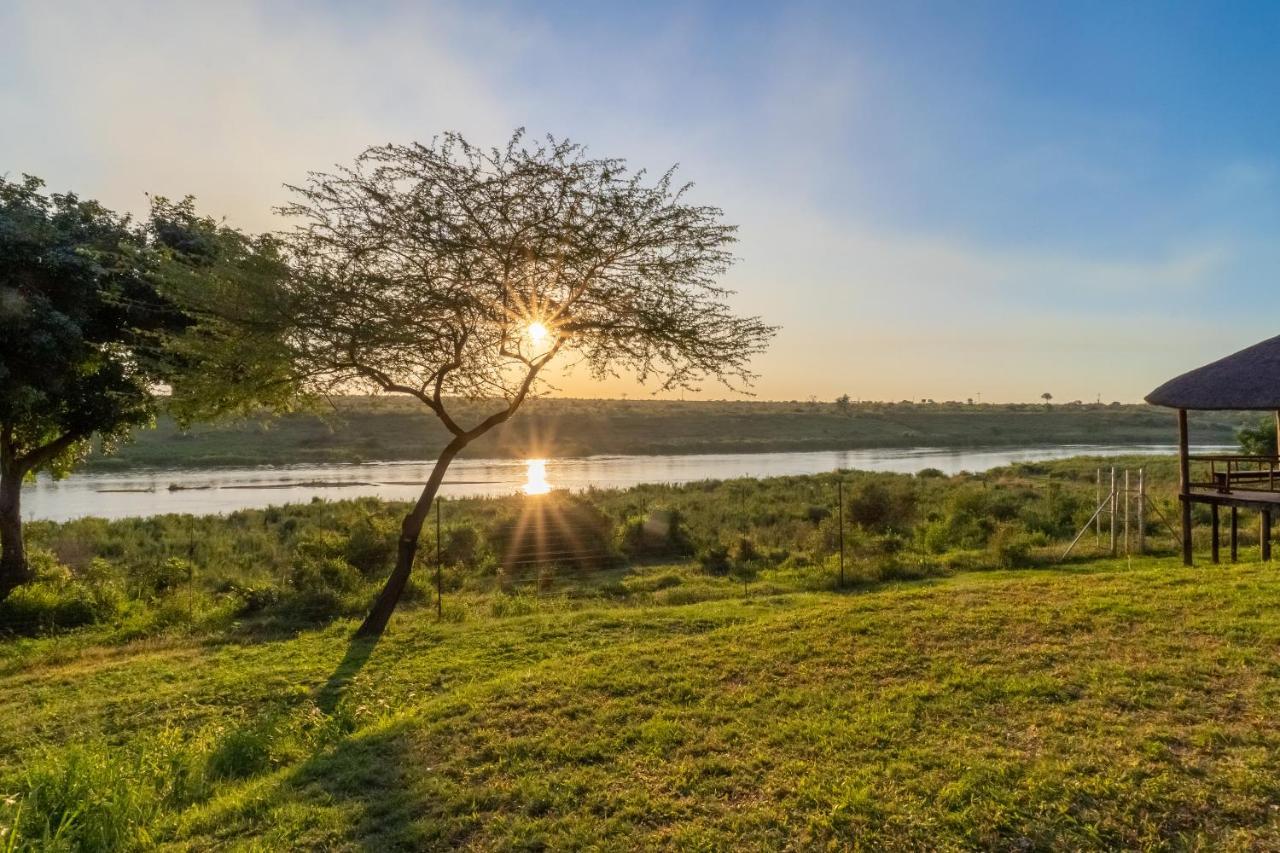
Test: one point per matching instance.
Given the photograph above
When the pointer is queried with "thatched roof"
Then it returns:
(1250, 379)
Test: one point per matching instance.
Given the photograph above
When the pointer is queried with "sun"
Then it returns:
(538, 333)
(536, 477)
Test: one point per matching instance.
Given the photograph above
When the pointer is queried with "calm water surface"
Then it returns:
(157, 491)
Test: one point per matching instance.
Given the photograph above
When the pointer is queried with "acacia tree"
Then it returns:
(447, 271)
(81, 317)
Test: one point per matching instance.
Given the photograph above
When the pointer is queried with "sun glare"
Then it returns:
(535, 480)
(538, 333)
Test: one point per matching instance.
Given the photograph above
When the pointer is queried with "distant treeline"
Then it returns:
(364, 429)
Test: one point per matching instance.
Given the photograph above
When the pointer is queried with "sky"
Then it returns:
(936, 200)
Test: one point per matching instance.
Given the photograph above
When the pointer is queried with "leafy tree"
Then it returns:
(843, 404)
(1047, 397)
(1259, 440)
(231, 358)
(447, 271)
(80, 317)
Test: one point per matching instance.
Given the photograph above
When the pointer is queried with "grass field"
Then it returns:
(390, 428)
(1098, 706)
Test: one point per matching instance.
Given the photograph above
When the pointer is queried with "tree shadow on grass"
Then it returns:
(370, 772)
(393, 802)
(358, 653)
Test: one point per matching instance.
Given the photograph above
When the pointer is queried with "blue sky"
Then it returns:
(938, 200)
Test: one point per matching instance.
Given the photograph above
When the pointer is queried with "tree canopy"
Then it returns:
(446, 270)
(80, 317)
(95, 322)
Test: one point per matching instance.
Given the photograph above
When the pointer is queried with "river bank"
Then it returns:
(365, 429)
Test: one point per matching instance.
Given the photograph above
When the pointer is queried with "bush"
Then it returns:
(461, 545)
(715, 559)
(324, 576)
(658, 533)
(57, 600)
(254, 598)
(158, 578)
(371, 547)
(1011, 546)
(880, 505)
(744, 551)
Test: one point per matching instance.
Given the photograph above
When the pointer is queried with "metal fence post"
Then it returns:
(439, 584)
(840, 511)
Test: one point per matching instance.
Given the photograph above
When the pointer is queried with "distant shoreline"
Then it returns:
(363, 430)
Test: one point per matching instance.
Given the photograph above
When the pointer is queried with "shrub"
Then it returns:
(715, 559)
(744, 551)
(372, 545)
(815, 514)
(1011, 546)
(158, 578)
(254, 598)
(461, 545)
(881, 505)
(324, 575)
(658, 533)
(57, 600)
(316, 544)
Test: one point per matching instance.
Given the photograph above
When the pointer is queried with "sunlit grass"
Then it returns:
(1096, 707)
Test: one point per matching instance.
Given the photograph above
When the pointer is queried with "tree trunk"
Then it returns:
(410, 529)
(14, 570)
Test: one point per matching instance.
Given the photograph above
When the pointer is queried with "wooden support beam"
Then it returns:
(1266, 536)
(1184, 485)
(1235, 534)
(1142, 510)
(1215, 546)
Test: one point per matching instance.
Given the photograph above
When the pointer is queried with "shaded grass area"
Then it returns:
(362, 429)
(1092, 707)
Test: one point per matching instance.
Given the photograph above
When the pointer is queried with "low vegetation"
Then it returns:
(305, 564)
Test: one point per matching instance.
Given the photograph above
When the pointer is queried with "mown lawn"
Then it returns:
(1097, 707)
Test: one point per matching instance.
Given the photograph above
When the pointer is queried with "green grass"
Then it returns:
(1098, 706)
(390, 428)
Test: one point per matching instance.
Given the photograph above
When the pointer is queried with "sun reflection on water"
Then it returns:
(535, 482)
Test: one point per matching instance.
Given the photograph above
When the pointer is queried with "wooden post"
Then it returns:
(1278, 432)
(1184, 485)
(1113, 511)
(1266, 536)
(1235, 534)
(1142, 510)
(1214, 547)
(1126, 512)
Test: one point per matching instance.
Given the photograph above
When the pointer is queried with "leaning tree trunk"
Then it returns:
(13, 558)
(410, 530)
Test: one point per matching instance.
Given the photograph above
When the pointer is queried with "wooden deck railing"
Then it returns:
(1228, 473)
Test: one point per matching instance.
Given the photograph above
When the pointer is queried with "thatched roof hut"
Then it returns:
(1250, 379)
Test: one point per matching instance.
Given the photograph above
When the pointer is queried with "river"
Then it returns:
(150, 492)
